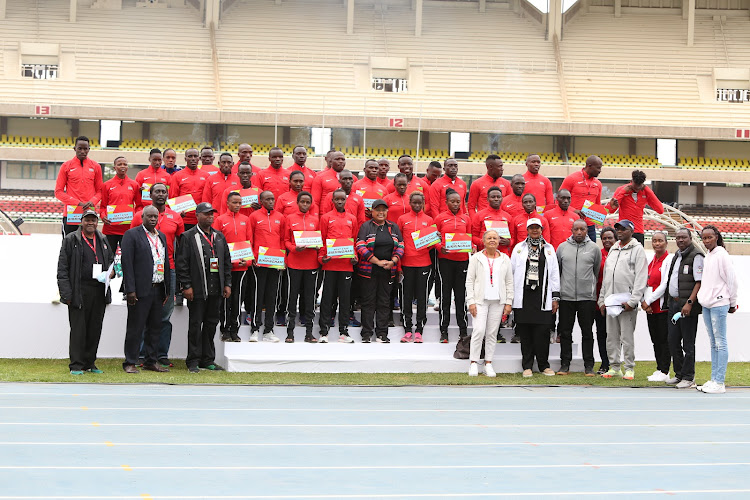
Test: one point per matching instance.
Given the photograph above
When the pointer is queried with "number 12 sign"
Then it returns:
(396, 122)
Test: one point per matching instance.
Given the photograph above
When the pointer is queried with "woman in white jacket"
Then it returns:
(718, 296)
(536, 281)
(654, 304)
(489, 295)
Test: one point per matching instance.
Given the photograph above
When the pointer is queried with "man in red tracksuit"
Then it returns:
(492, 212)
(247, 181)
(631, 199)
(450, 180)
(120, 190)
(337, 272)
(299, 153)
(561, 218)
(220, 181)
(537, 184)
(79, 182)
(301, 267)
(480, 187)
(275, 178)
(286, 204)
(368, 187)
(398, 201)
(452, 266)
(583, 186)
(235, 228)
(355, 204)
(267, 230)
(190, 180)
(150, 176)
(414, 183)
(518, 230)
(245, 152)
(207, 160)
(327, 181)
(512, 203)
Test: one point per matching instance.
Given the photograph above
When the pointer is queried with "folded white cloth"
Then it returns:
(614, 303)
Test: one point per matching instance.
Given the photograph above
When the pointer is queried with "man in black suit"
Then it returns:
(204, 268)
(146, 280)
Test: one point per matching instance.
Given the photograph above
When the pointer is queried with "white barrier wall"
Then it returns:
(34, 328)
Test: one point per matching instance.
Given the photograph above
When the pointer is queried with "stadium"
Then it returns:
(661, 86)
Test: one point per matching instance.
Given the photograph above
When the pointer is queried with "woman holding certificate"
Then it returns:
(489, 293)
(419, 237)
(380, 248)
(536, 295)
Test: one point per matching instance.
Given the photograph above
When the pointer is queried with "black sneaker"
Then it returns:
(391, 324)
(236, 337)
(165, 363)
(213, 367)
(443, 337)
(226, 337)
(310, 339)
(383, 340)
(193, 369)
(500, 338)
(289, 339)
(515, 339)
(281, 320)
(602, 370)
(366, 340)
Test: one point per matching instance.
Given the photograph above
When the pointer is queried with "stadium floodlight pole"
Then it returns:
(419, 131)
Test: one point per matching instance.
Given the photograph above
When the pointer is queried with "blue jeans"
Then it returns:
(165, 337)
(716, 325)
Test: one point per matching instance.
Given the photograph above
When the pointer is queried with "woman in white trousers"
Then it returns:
(489, 295)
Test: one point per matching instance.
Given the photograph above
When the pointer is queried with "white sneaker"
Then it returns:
(672, 381)
(473, 370)
(345, 339)
(488, 370)
(658, 376)
(713, 388)
(254, 337)
(437, 305)
(270, 337)
(323, 339)
(685, 384)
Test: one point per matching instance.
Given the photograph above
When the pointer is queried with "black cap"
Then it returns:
(378, 203)
(204, 207)
(89, 212)
(626, 224)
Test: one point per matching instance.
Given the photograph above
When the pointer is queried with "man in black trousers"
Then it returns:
(147, 283)
(204, 268)
(84, 256)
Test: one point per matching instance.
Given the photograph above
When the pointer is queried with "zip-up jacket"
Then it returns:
(365, 247)
(190, 264)
(216, 184)
(335, 225)
(69, 267)
(407, 224)
(626, 271)
(719, 284)
(235, 228)
(118, 191)
(222, 206)
(478, 228)
(446, 222)
(79, 182)
(355, 205)
(579, 265)
(631, 209)
(188, 181)
(519, 231)
(368, 189)
(437, 194)
(582, 187)
(560, 224)
(307, 258)
(286, 205)
(541, 187)
(147, 178)
(478, 192)
(275, 180)
(266, 230)
(397, 206)
(416, 184)
(512, 205)
(309, 175)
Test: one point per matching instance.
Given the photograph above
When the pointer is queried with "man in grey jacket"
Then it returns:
(626, 273)
(579, 259)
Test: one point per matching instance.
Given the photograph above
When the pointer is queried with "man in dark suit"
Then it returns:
(146, 280)
(204, 268)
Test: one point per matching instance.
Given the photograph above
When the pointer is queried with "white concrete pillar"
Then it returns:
(482, 5)
(618, 8)
(350, 17)
(554, 20)
(691, 23)
(73, 10)
(418, 24)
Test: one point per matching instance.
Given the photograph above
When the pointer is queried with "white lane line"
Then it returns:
(355, 426)
(370, 467)
(385, 410)
(386, 495)
(354, 445)
(677, 396)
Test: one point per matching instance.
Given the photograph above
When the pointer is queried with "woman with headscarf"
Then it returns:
(536, 294)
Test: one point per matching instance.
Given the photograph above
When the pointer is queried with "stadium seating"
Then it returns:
(41, 142)
(629, 161)
(32, 207)
(714, 163)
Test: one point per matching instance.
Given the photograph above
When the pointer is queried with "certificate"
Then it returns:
(500, 226)
(458, 242)
(425, 237)
(74, 214)
(120, 214)
(308, 239)
(249, 196)
(270, 257)
(181, 204)
(240, 250)
(597, 213)
(146, 191)
(369, 197)
(340, 248)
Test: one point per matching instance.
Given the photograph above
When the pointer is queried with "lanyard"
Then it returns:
(154, 243)
(491, 263)
(210, 242)
(92, 247)
(588, 186)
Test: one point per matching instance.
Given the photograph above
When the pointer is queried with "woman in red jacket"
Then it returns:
(416, 266)
(453, 263)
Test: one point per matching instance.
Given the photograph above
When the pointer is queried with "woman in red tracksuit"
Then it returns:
(416, 266)
(301, 267)
(452, 266)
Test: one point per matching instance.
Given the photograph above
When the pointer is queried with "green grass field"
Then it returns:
(56, 370)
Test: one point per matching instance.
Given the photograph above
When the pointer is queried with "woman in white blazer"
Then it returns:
(536, 287)
(489, 295)
(654, 304)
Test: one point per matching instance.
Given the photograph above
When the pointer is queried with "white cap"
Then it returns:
(533, 221)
